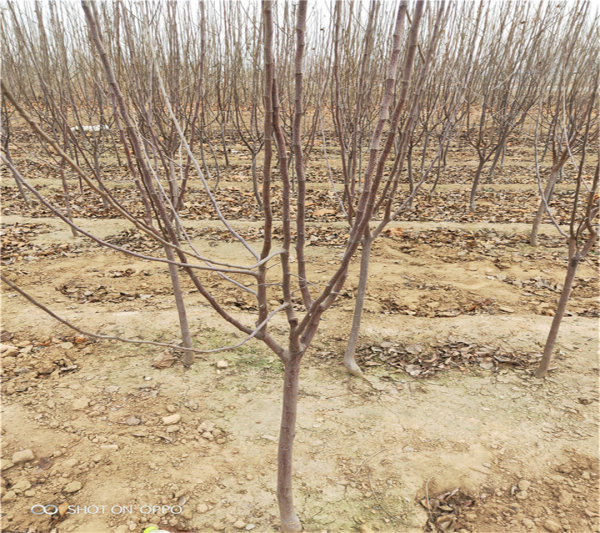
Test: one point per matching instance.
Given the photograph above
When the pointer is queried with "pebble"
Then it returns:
(80, 403)
(21, 485)
(5, 464)
(552, 526)
(133, 421)
(172, 419)
(522, 495)
(202, 508)
(172, 429)
(10, 496)
(528, 523)
(171, 408)
(565, 498)
(69, 463)
(10, 351)
(22, 456)
(524, 484)
(239, 524)
(222, 364)
(192, 406)
(74, 486)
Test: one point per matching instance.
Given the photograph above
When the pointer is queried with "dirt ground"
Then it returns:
(453, 433)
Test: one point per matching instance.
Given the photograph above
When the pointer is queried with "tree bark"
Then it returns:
(552, 179)
(558, 316)
(350, 355)
(290, 523)
(19, 186)
(499, 153)
(186, 338)
(475, 184)
(411, 183)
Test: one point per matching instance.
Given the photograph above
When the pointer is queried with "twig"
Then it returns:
(368, 459)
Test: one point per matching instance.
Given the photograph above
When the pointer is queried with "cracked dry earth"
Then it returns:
(453, 434)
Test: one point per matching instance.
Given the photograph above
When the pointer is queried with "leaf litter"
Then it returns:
(419, 360)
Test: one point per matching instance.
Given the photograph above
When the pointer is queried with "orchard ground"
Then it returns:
(458, 309)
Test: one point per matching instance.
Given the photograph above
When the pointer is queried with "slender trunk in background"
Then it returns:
(224, 144)
(19, 186)
(558, 316)
(361, 292)
(6, 147)
(255, 180)
(67, 197)
(476, 184)
(553, 178)
(499, 153)
(411, 181)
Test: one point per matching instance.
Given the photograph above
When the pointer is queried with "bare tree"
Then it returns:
(583, 224)
(506, 86)
(565, 106)
(143, 151)
(387, 200)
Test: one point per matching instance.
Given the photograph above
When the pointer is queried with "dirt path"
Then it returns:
(522, 453)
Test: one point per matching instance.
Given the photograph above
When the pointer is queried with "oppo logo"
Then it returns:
(51, 509)
(39, 509)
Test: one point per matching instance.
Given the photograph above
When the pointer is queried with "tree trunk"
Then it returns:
(290, 523)
(425, 144)
(96, 158)
(475, 185)
(411, 184)
(202, 156)
(438, 173)
(499, 153)
(65, 187)
(186, 338)
(212, 151)
(224, 144)
(558, 316)
(19, 186)
(350, 356)
(255, 181)
(553, 178)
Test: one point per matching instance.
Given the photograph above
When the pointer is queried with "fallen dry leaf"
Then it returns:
(164, 360)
